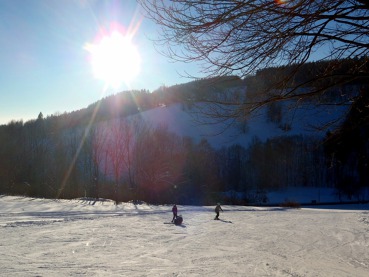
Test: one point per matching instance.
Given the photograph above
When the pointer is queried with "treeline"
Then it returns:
(131, 102)
(266, 80)
(126, 159)
(322, 74)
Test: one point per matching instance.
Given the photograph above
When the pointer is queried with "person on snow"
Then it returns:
(174, 210)
(217, 209)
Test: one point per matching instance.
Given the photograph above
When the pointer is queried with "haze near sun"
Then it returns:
(114, 59)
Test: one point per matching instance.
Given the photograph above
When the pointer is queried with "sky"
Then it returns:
(47, 57)
(83, 237)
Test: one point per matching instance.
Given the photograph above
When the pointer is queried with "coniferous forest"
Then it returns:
(102, 151)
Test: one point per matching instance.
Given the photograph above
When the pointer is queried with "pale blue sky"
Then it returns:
(44, 66)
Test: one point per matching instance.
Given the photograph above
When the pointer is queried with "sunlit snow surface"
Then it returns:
(43, 237)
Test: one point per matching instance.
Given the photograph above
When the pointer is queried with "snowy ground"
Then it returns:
(42, 237)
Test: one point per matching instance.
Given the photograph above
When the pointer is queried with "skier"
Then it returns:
(217, 209)
(174, 210)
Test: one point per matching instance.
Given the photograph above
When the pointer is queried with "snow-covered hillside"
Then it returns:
(44, 237)
(305, 120)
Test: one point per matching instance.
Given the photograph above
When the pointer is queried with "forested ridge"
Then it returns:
(103, 151)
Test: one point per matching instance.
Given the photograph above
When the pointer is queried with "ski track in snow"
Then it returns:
(40, 237)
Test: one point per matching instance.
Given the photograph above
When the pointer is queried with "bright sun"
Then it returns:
(114, 59)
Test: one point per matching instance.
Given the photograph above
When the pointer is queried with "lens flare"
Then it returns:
(281, 2)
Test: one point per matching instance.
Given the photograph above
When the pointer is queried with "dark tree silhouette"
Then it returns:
(348, 148)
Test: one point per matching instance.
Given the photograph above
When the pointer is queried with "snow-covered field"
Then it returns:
(43, 237)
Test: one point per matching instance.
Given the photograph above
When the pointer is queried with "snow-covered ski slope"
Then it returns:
(307, 120)
(42, 237)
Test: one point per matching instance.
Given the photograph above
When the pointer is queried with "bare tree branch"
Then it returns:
(243, 37)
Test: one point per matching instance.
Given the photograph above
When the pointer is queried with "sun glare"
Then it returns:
(114, 59)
